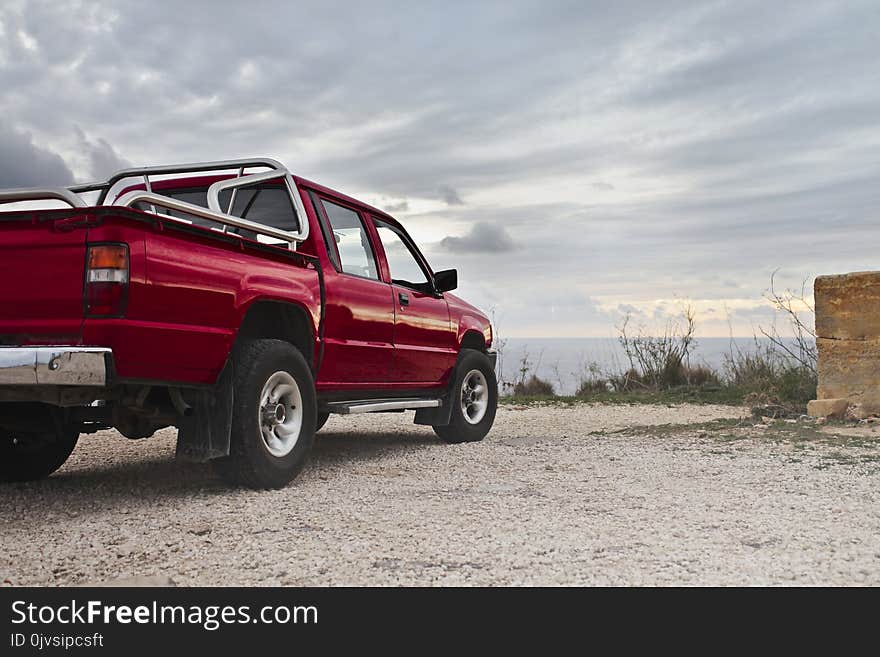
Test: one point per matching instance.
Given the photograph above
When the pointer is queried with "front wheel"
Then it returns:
(474, 400)
(273, 416)
(26, 456)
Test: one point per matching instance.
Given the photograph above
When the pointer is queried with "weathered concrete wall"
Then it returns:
(848, 337)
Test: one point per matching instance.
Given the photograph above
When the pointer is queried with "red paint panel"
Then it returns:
(359, 330)
(161, 351)
(424, 343)
(41, 279)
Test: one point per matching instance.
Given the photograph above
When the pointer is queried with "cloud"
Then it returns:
(24, 164)
(450, 196)
(739, 137)
(391, 208)
(482, 238)
(103, 160)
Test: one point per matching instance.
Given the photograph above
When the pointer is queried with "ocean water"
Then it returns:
(561, 360)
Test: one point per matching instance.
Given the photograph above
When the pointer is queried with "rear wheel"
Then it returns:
(273, 416)
(322, 420)
(26, 456)
(474, 399)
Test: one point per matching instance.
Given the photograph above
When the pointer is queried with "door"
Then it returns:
(359, 321)
(424, 344)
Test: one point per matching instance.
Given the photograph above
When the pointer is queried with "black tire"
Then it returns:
(459, 429)
(250, 461)
(322, 420)
(30, 456)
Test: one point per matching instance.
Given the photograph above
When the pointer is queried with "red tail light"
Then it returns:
(106, 292)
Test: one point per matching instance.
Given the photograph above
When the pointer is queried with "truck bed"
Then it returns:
(189, 287)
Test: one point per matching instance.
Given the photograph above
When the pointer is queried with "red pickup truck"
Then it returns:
(232, 300)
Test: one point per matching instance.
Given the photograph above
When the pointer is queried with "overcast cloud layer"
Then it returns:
(574, 160)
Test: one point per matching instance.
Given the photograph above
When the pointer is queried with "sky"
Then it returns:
(576, 161)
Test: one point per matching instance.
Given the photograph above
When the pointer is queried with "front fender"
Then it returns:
(474, 324)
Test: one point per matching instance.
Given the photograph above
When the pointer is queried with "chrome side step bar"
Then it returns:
(376, 405)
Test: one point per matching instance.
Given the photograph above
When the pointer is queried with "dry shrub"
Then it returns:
(700, 375)
(592, 387)
(771, 379)
(659, 361)
(533, 386)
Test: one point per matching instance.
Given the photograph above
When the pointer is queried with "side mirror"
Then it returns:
(446, 280)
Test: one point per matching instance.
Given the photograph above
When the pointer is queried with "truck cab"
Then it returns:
(242, 308)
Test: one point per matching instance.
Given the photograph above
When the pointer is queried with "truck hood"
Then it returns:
(460, 304)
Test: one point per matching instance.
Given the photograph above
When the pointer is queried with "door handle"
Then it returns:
(404, 299)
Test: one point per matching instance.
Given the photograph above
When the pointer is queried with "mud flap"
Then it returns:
(203, 434)
(442, 415)
(436, 417)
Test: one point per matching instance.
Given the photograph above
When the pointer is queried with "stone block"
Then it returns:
(848, 306)
(850, 369)
(835, 408)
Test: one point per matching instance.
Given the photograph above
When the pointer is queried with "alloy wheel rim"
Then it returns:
(280, 414)
(474, 396)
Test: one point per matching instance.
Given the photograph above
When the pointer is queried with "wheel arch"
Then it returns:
(472, 339)
(279, 320)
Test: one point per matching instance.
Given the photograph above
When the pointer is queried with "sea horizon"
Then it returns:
(562, 361)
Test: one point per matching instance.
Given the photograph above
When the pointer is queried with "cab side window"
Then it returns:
(403, 263)
(352, 242)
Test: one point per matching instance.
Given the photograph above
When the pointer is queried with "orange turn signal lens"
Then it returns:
(108, 256)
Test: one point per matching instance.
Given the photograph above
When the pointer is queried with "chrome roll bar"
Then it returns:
(244, 181)
(169, 169)
(252, 179)
(128, 199)
(213, 212)
(38, 194)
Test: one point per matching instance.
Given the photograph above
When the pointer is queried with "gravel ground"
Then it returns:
(555, 495)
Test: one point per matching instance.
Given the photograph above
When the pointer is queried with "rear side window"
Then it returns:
(196, 196)
(265, 204)
(352, 242)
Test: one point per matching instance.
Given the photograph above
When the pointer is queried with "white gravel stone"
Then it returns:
(546, 499)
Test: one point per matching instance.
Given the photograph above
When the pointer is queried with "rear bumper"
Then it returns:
(54, 366)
